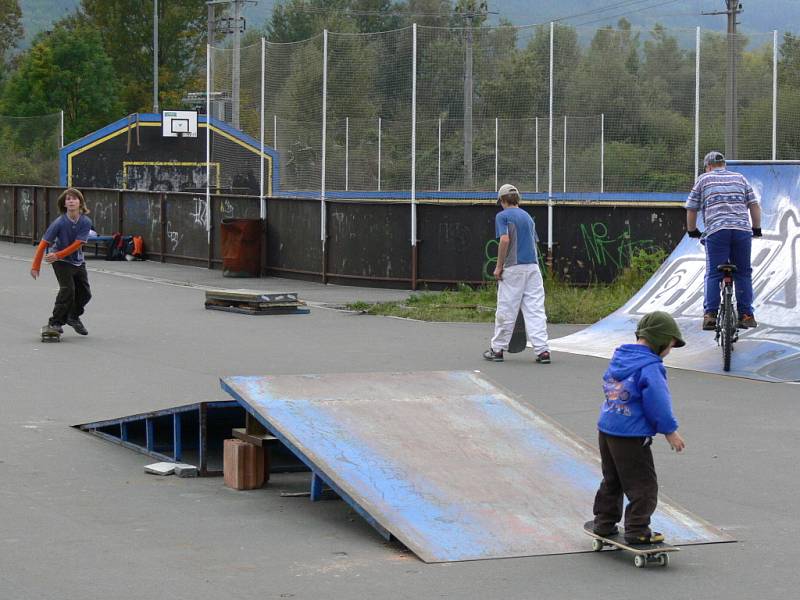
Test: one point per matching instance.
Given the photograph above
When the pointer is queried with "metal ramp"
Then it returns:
(771, 352)
(446, 462)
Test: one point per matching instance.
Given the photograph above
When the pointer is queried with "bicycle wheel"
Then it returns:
(728, 325)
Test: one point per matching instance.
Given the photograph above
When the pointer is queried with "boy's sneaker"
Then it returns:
(607, 534)
(76, 324)
(640, 540)
(543, 358)
(57, 328)
(747, 322)
(709, 321)
(490, 354)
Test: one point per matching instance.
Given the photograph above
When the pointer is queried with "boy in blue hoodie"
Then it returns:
(637, 407)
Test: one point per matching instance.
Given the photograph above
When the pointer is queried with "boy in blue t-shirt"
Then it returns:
(519, 280)
(67, 234)
(637, 406)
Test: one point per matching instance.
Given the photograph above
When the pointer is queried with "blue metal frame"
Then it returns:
(149, 418)
(318, 477)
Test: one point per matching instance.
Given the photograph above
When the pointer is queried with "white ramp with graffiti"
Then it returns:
(770, 352)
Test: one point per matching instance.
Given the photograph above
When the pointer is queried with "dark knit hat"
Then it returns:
(659, 328)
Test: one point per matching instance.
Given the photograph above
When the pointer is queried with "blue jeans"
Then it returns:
(734, 246)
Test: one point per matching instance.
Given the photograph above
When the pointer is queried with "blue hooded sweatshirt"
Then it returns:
(638, 402)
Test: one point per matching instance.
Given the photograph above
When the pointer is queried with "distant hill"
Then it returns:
(758, 15)
(39, 15)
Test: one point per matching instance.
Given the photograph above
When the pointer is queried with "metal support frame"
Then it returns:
(119, 431)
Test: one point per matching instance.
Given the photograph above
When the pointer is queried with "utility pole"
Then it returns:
(236, 26)
(732, 9)
(237, 46)
(470, 9)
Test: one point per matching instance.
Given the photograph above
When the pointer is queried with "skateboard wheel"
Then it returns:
(640, 561)
(597, 545)
(663, 559)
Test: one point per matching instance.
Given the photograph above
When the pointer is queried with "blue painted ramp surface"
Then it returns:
(448, 463)
(771, 352)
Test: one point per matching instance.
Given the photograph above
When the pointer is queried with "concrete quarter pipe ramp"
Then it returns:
(770, 352)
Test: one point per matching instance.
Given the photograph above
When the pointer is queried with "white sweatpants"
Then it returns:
(521, 286)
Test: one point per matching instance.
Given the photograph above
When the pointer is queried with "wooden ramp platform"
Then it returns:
(446, 462)
(253, 302)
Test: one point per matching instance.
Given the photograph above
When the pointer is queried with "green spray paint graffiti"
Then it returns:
(490, 259)
(603, 250)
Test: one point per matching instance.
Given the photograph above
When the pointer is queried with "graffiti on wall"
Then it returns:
(604, 250)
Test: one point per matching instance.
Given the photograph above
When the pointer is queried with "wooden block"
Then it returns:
(242, 465)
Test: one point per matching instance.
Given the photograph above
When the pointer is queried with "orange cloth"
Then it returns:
(73, 247)
(37, 257)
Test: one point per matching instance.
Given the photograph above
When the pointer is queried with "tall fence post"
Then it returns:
(536, 143)
(379, 153)
(439, 159)
(496, 150)
(414, 160)
(602, 151)
(775, 94)
(696, 165)
(550, 160)
(347, 153)
(322, 207)
(262, 201)
(564, 166)
(208, 142)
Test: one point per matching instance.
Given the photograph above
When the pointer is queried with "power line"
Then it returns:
(594, 11)
(630, 12)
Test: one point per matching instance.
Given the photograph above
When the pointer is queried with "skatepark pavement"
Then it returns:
(81, 519)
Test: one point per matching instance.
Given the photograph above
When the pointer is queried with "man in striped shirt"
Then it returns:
(732, 218)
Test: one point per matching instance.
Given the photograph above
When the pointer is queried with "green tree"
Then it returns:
(126, 30)
(67, 70)
(298, 20)
(10, 29)
(606, 81)
(667, 73)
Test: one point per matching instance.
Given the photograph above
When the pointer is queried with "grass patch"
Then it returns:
(563, 303)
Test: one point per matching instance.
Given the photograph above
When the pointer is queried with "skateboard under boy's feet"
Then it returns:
(50, 334)
(643, 554)
(519, 339)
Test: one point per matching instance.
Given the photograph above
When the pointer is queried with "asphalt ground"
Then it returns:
(79, 518)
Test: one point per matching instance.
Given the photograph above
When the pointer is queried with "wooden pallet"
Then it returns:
(255, 302)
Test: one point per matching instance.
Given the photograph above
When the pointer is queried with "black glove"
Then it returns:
(695, 233)
(756, 231)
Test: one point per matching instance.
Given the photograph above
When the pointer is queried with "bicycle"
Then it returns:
(726, 330)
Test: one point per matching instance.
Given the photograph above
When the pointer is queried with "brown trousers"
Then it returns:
(73, 292)
(628, 469)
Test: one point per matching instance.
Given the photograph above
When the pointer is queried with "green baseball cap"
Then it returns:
(659, 328)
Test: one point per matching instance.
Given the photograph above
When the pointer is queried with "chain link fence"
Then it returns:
(551, 108)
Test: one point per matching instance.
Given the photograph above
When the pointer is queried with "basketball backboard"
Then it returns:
(179, 123)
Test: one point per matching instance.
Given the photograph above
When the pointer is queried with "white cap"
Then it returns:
(507, 190)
